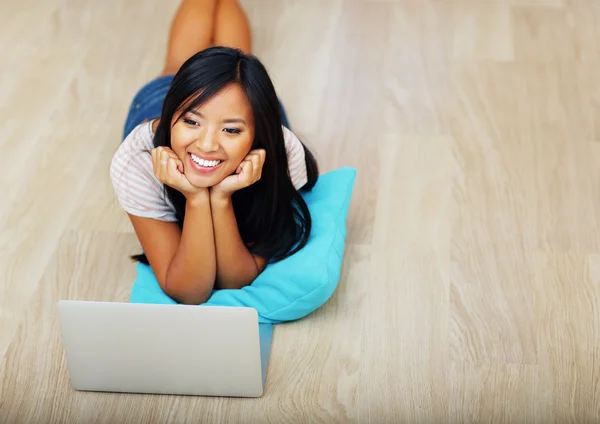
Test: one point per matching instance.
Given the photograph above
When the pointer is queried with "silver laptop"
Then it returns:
(165, 349)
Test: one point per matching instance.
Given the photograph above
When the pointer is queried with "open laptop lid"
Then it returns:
(169, 349)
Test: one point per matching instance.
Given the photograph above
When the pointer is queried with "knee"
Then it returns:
(170, 68)
(174, 61)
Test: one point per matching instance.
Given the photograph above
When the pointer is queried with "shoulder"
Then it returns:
(138, 190)
(296, 159)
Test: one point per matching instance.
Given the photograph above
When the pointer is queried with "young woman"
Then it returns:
(208, 172)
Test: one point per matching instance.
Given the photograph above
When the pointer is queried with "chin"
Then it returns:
(202, 182)
(206, 180)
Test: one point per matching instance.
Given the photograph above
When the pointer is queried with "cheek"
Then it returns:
(180, 138)
(238, 149)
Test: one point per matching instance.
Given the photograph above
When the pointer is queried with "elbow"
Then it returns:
(189, 294)
(188, 297)
(191, 300)
(243, 277)
(234, 283)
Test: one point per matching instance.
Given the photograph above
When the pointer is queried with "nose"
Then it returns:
(207, 141)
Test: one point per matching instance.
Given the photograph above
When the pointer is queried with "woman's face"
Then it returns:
(213, 139)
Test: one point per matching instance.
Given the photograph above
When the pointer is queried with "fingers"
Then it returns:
(256, 166)
(261, 154)
(172, 168)
(169, 170)
(252, 165)
(166, 164)
(246, 171)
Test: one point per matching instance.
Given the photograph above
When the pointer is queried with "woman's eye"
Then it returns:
(190, 122)
(232, 130)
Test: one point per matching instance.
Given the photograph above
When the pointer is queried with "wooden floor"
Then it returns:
(471, 283)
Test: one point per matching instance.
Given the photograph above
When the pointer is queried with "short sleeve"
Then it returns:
(137, 189)
(296, 159)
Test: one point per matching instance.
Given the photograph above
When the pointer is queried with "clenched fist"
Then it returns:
(169, 170)
(247, 173)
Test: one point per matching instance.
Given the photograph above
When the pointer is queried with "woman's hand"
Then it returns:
(247, 173)
(168, 168)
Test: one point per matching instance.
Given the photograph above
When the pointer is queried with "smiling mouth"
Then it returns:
(203, 165)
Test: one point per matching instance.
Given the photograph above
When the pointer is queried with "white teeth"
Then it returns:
(205, 163)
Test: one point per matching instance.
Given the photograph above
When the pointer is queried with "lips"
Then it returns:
(203, 166)
(204, 162)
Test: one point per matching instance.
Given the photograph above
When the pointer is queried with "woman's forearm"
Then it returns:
(191, 275)
(236, 266)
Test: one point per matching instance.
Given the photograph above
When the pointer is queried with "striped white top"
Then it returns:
(140, 193)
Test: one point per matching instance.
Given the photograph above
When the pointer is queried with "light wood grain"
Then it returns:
(483, 31)
(498, 393)
(470, 289)
(568, 307)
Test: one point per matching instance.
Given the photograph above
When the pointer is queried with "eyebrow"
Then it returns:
(225, 121)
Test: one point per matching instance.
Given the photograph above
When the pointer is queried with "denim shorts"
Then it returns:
(148, 101)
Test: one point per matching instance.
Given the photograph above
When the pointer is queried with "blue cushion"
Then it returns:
(296, 286)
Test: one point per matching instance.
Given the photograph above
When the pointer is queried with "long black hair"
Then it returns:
(273, 219)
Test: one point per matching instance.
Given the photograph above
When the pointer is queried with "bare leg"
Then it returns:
(191, 31)
(231, 26)
(199, 24)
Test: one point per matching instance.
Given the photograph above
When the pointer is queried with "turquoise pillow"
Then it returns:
(298, 285)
